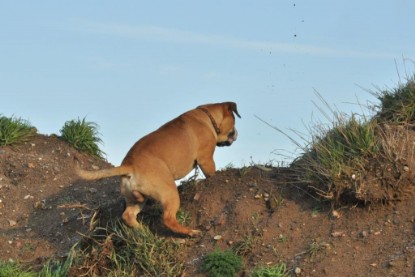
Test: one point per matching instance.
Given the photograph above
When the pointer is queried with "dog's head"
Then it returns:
(223, 120)
(227, 131)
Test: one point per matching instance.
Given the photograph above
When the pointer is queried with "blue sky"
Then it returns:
(130, 66)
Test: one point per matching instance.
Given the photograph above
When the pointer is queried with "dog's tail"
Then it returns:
(100, 174)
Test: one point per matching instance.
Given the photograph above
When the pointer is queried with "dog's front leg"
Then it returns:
(207, 166)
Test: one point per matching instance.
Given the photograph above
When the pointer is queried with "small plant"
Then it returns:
(243, 247)
(397, 105)
(270, 271)
(83, 136)
(222, 263)
(244, 170)
(9, 269)
(282, 238)
(316, 247)
(183, 217)
(57, 268)
(14, 130)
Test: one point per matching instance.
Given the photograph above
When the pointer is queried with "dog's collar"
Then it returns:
(211, 119)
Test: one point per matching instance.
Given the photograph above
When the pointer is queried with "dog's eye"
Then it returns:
(231, 134)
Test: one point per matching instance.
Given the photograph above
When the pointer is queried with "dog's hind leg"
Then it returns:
(130, 215)
(171, 204)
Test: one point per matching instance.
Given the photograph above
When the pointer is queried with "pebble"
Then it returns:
(337, 234)
(12, 222)
(297, 270)
(363, 234)
(197, 196)
(217, 237)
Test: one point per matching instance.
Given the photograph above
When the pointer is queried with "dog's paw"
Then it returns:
(195, 233)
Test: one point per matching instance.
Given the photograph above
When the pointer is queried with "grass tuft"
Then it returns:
(128, 252)
(279, 270)
(397, 105)
(337, 153)
(10, 269)
(15, 130)
(83, 136)
(222, 263)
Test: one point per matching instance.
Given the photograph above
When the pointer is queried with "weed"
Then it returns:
(183, 217)
(244, 170)
(222, 263)
(270, 271)
(243, 247)
(83, 136)
(316, 247)
(9, 269)
(282, 238)
(14, 130)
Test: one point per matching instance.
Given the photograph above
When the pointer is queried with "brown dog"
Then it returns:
(168, 154)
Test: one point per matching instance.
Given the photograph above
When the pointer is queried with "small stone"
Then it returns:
(30, 165)
(26, 197)
(337, 234)
(12, 222)
(217, 237)
(363, 234)
(181, 241)
(41, 205)
(28, 230)
(93, 190)
(197, 196)
(266, 195)
(406, 168)
(258, 196)
(297, 271)
(335, 214)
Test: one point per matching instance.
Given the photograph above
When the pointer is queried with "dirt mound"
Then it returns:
(44, 210)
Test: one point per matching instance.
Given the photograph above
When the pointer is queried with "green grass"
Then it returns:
(279, 270)
(128, 252)
(9, 269)
(397, 105)
(222, 263)
(339, 153)
(14, 130)
(57, 268)
(83, 136)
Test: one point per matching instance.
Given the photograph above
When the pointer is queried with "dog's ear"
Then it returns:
(233, 108)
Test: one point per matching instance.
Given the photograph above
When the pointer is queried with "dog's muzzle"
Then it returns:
(232, 136)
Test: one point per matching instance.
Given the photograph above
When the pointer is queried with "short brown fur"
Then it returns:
(158, 159)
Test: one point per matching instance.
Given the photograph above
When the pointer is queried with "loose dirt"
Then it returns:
(45, 209)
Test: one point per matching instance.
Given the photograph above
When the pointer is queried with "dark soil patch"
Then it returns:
(44, 209)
